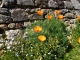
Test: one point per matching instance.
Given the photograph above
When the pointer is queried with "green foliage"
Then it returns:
(55, 45)
(74, 54)
(31, 48)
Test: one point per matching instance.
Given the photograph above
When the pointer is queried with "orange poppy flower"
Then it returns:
(42, 38)
(49, 17)
(60, 17)
(39, 12)
(37, 29)
(78, 17)
(79, 40)
(57, 12)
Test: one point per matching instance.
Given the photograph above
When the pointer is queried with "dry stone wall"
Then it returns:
(14, 13)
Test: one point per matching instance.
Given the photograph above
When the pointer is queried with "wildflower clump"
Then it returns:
(50, 42)
(49, 17)
(37, 28)
(42, 38)
(57, 12)
(78, 40)
(78, 17)
(40, 12)
(60, 17)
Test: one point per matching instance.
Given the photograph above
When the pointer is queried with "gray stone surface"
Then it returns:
(69, 15)
(26, 24)
(11, 25)
(68, 5)
(52, 3)
(35, 16)
(77, 12)
(30, 10)
(73, 21)
(60, 3)
(19, 15)
(5, 19)
(76, 4)
(10, 34)
(4, 11)
(67, 23)
(0, 2)
(1, 39)
(25, 2)
(43, 3)
(64, 11)
(3, 26)
(8, 3)
(19, 25)
(37, 2)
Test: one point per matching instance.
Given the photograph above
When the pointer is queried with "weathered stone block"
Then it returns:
(0, 2)
(73, 21)
(76, 3)
(43, 3)
(26, 2)
(11, 25)
(30, 10)
(10, 34)
(37, 2)
(19, 15)
(5, 19)
(3, 26)
(64, 11)
(34, 16)
(4, 11)
(67, 23)
(52, 3)
(68, 5)
(26, 24)
(69, 15)
(8, 3)
(60, 3)
(77, 12)
(19, 25)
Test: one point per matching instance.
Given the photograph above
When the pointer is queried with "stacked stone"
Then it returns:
(18, 13)
(14, 12)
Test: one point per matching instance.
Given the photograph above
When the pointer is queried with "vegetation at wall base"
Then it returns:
(45, 40)
(74, 54)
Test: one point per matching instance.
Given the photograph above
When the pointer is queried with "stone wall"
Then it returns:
(16, 13)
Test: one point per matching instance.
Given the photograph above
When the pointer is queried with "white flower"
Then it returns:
(8, 47)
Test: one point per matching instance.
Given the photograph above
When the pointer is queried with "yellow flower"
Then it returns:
(78, 40)
(78, 17)
(37, 29)
(49, 17)
(57, 12)
(42, 38)
(40, 12)
(60, 17)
